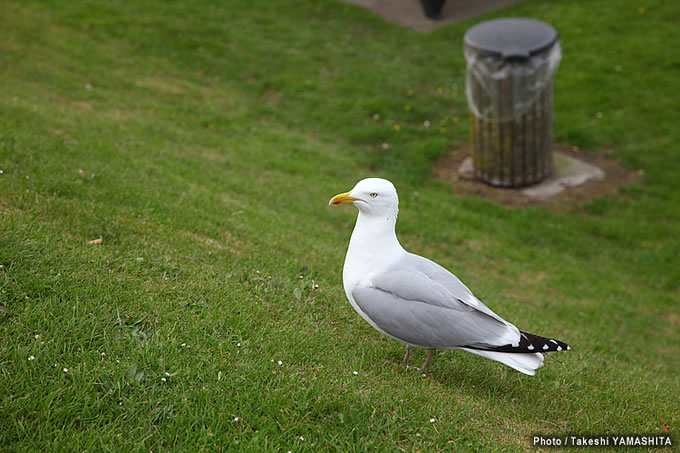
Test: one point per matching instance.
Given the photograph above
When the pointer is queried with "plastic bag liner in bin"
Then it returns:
(510, 66)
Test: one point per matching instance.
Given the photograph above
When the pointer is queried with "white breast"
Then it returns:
(372, 249)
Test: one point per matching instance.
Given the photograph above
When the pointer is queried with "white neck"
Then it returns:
(373, 247)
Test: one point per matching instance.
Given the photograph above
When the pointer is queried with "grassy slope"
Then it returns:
(210, 139)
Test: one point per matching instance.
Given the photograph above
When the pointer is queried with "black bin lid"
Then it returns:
(511, 37)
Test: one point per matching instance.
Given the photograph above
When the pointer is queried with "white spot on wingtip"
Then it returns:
(530, 347)
(568, 348)
(559, 348)
(545, 346)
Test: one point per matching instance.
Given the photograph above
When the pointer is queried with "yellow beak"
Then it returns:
(342, 198)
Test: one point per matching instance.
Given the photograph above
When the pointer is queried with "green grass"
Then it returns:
(202, 143)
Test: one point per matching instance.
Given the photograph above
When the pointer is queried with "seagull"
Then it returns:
(418, 302)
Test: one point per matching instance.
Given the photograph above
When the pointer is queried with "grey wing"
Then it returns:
(409, 305)
(445, 278)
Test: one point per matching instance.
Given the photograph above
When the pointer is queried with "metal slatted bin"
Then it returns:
(510, 65)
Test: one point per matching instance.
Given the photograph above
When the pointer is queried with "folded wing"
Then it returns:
(421, 303)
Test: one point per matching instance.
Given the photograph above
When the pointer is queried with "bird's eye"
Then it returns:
(373, 195)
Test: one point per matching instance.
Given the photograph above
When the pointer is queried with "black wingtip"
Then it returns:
(541, 344)
(530, 342)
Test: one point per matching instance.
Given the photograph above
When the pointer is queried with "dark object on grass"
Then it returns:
(510, 65)
(433, 8)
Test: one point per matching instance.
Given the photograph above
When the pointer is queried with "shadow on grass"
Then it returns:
(450, 369)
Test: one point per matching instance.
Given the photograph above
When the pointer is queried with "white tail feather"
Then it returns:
(525, 363)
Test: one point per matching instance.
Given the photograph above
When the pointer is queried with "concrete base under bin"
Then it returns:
(567, 172)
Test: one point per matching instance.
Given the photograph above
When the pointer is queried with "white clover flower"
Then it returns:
(65, 370)
(31, 357)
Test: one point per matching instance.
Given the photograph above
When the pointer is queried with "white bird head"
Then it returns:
(373, 196)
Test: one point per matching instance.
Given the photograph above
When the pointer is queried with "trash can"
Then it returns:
(510, 66)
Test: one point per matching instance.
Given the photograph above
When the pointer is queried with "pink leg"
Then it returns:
(409, 348)
(426, 367)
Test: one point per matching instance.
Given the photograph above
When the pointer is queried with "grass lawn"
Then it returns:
(201, 142)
